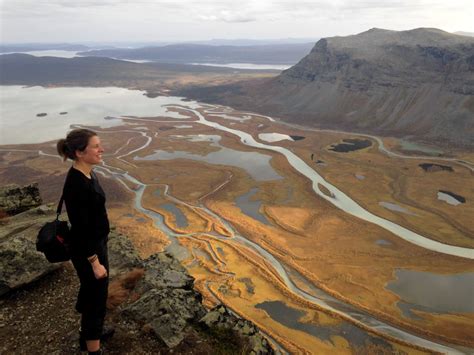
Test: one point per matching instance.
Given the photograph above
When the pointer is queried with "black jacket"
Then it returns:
(85, 204)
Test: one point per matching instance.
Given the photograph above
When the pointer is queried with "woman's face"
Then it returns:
(92, 155)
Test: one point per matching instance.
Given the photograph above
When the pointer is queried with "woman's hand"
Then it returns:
(99, 270)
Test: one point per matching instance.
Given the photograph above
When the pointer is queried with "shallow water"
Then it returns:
(183, 126)
(351, 145)
(417, 147)
(290, 317)
(247, 66)
(394, 207)
(383, 242)
(257, 165)
(274, 137)
(180, 218)
(251, 207)
(435, 292)
(448, 199)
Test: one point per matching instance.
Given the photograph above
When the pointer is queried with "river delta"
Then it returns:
(323, 257)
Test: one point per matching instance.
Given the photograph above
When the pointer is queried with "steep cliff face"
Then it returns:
(418, 82)
(381, 58)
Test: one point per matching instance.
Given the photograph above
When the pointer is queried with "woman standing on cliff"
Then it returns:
(85, 204)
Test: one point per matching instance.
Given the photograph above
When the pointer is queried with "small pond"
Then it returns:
(251, 207)
(180, 218)
(430, 167)
(417, 147)
(350, 145)
(397, 208)
(436, 293)
(383, 242)
(274, 137)
(450, 197)
(290, 317)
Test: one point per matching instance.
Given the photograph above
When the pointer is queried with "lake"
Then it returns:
(19, 107)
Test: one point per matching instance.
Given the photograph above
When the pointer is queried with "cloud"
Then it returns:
(187, 19)
(227, 16)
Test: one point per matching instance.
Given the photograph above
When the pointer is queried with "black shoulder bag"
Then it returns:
(53, 238)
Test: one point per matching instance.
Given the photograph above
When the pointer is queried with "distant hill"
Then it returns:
(29, 70)
(24, 69)
(197, 53)
(418, 82)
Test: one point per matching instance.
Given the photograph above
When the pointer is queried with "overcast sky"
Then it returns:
(179, 20)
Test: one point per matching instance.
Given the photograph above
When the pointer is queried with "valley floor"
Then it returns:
(256, 236)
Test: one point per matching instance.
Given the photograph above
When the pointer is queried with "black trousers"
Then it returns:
(92, 297)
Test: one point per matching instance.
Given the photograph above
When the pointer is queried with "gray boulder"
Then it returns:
(15, 199)
(169, 303)
(164, 271)
(168, 312)
(221, 317)
(20, 263)
(122, 254)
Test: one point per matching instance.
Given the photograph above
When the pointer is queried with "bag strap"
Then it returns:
(60, 207)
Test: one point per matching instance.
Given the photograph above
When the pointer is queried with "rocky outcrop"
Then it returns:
(15, 199)
(20, 263)
(169, 306)
(221, 318)
(168, 302)
(167, 312)
(122, 255)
